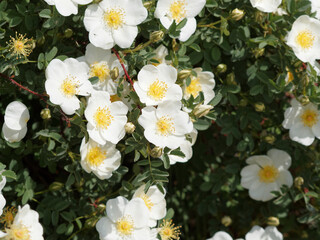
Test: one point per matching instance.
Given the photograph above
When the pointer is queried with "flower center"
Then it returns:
(305, 39)
(125, 226)
(309, 117)
(168, 231)
(268, 174)
(157, 90)
(194, 87)
(165, 126)
(114, 18)
(99, 70)
(178, 10)
(96, 156)
(147, 201)
(69, 87)
(8, 216)
(20, 45)
(17, 232)
(103, 117)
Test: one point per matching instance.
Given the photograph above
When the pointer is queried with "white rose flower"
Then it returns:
(65, 80)
(157, 84)
(67, 7)
(166, 125)
(266, 5)
(315, 7)
(221, 235)
(177, 10)
(160, 55)
(16, 117)
(25, 226)
(266, 173)
(102, 160)
(114, 22)
(258, 233)
(106, 119)
(303, 122)
(304, 38)
(155, 202)
(203, 82)
(101, 62)
(125, 219)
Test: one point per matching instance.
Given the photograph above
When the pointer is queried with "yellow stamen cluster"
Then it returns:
(103, 117)
(309, 117)
(125, 226)
(168, 231)
(157, 90)
(165, 126)
(99, 70)
(8, 216)
(178, 10)
(17, 232)
(147, 201)
(20, 45)
(69, 87)
(194, 87)
(305, 39)
(114, 18)
(268, 174)
(96, 156)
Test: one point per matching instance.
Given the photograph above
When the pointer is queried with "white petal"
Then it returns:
(99, 37)
(105, 228)
(284, 178)
(13, 135)
(16, 115)
(125, 35)
(273, 233)
(280, 158)
(193, 8)
(301, 134)
(221, 236)
(136, 13)
(255, 233)
(139, 212)
(188, 29)
(116, 208)
(66, 7)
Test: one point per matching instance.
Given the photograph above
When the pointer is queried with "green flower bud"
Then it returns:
(226, 221)
(273, 221)
(222, 68)
(183, 74)
(156, 36)
(129, 127)
(270, 139)
(114, 73)
(237, 14)
(298, 182)
(56, 186)
(259, 107)
(68, 33)
(45, 114)
(201, 110)
(156, 152)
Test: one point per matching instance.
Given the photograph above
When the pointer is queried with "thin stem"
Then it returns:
(138, 48)
(123, 67)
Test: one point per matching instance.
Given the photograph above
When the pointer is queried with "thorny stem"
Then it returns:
(123, 67)
(64, 117)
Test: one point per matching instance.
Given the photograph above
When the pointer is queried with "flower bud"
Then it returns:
(148, 4)
(156, 36)
(226, 221)
(156, 152)
(91, 222)
(201, 110)
(273, 221)
(259, 107)
(222, 68)
(298, 182)
(243, 102)
(68, 33)
(270, 139)
(183, 74)
(114, 73)
(55, 186)
(231, 79)
(129, 127)
(175, 45)
(45, 114)
(258, 52)
(237, 14)
(304, 100)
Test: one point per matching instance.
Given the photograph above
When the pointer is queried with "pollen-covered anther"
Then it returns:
(157, 90)
(100, 70)
(103, 117)
(309, 117)
(96, 156)
(165, 126)
(114, 18)
(168, 231)
(194, 87)
(20, 45)
(147, 201)
(125, 226)
(69, 86)
(268, 174)
(178, 10)
(305, 39)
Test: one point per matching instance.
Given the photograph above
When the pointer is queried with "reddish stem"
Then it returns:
(64, 117)
(123, 67)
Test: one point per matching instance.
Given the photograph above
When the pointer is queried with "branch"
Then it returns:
(123, 67)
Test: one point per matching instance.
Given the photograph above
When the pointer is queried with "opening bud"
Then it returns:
(129, 127)
(45, 114)
(114, 73)
(222, 68)
(270, 139)
(237, 14)
(201, 110)
(226, 221)
(156, 36)
(298, 182)
(273, 221)
(156, 152)
(259, 107)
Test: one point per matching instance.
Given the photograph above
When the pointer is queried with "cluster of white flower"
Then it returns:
(16, 117)
(136, 219)
(256, 233)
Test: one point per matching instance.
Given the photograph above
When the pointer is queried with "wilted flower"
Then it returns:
(304, 38)
(67, 7)
(266, 173)
(65, 80)
(20, 45)
(155, 202)
(102, 160)
(114, 22)
(177, 10)
(303, 122)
